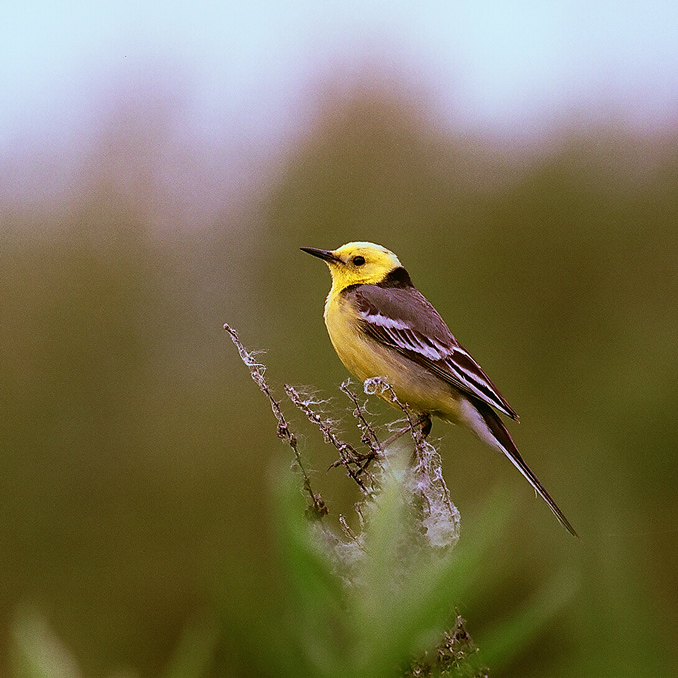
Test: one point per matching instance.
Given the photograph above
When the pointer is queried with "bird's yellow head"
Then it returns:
(357, 263)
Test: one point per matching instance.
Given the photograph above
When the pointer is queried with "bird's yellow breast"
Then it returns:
(361, 356)
(366, 358)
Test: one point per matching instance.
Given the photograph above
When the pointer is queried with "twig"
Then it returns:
(368, 434)
(404, 430)
(318, 508)
(352, 536)
(440, 515)
(348, 455)
(450, 657)
(378, 386)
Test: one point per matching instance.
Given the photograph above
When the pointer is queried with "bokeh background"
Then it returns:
(160, 165)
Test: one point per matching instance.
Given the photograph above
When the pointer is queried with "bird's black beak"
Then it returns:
(325, 255)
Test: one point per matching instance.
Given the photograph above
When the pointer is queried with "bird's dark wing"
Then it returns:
(400, 317)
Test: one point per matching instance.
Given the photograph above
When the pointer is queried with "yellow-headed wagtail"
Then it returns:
(381, 326)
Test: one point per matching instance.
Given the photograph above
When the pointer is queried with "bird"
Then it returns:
(380, 325)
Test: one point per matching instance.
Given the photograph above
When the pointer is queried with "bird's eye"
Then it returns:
(358, 261)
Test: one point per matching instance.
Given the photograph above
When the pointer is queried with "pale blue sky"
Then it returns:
(491, 66)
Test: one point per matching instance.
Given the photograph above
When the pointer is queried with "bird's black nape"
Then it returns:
(398, 277)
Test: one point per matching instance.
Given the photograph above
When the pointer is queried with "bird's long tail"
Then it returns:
(495, 434)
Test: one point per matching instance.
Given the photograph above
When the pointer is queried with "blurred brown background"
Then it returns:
(136, 453)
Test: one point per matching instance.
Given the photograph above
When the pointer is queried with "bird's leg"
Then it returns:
(426, 424)
(424, 421)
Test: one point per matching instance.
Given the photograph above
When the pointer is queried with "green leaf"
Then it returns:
(501, 645)
(36, 651)
(194, 654)
(316, 596)
(409, 591)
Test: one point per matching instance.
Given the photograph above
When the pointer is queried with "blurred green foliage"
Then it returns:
(133, 458)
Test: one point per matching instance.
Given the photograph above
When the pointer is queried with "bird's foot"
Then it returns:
(424, 421)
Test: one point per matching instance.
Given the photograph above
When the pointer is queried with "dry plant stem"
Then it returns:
(352, 536)
(391, 439)
(348, 455)
(440, 515)
(412, 425)
(318, 507)
(368, 434)
(448, 658)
